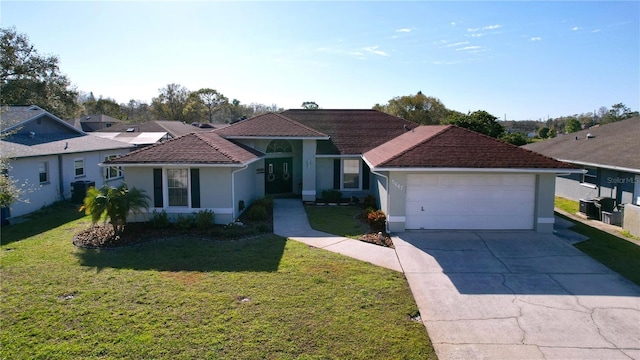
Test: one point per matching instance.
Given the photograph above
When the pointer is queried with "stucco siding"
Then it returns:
(545, 198)
(244, 189)
(610, 183)
(324, 175)
(25, 171)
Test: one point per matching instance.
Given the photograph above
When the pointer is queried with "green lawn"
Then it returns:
(567, 205)
(187, 299)
(337, 220)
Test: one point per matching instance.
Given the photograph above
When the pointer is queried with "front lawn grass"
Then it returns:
(337, 220)
(567, 205)
(618, 254)
(264, 298)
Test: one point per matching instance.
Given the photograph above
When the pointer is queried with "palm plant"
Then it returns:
(114, 204)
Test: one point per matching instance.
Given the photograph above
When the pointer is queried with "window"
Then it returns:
(112, 172)
(177, 184)
(351, 174)
(279, 146)
(591, 176)
(78, 165)
(43, 169)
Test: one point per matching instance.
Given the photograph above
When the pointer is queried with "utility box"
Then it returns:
(79, 190)
(588, 207)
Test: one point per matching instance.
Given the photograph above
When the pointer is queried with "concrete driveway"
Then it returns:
(518, 295)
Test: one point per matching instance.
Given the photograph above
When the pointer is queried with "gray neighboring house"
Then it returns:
(151, 132)
(424, 177)
(610, 155)
(94, 122)
(49, 154)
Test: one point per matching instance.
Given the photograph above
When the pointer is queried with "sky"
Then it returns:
(517, 60)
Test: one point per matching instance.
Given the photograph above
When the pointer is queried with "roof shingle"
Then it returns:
(615, 144)
(270, 125)
(450, 146)
(194, 148)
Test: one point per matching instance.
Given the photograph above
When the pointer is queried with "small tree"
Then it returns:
(114, 204)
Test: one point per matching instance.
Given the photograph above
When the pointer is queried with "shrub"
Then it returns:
(257, 212)
(370, 202)
(159, 220)
(204, 219)
(267, 202)
(331, 195)
(377, 220)
(184, 222)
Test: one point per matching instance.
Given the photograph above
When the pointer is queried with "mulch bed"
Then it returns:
(374, 238)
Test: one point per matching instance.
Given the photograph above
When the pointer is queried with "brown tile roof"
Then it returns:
(351, 131)
(615, 144)
(270, 125)
(451, 146)
(194, 148)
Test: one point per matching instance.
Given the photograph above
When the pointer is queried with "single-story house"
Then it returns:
(49, 155)
(424, 177)
(610, 156)
(94, 122)
(151, 132)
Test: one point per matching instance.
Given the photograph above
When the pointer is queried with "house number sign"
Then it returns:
(398, 185)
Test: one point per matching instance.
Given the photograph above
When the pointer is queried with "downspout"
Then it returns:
(233, 191)
(60, 177)
(388, 196)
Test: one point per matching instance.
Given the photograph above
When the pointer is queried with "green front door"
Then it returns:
(278, 175)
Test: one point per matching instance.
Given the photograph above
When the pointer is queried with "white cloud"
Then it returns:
(536, 38)
(403, 30)
(492, 27)
(374, 50)
(453, 23)
(473, 30)
(575, 28)
(457, 44)
(476, 35)
(467, 48)
(596, 30)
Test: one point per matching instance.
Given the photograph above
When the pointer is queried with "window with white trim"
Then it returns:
(78, 166)
(178, 187)
(43, 170)
(112, 172)
(351, 174)
(591, 176)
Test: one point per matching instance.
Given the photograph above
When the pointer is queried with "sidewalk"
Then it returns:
(611, 229)
(290, 221)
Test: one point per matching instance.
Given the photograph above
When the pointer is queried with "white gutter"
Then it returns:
(388, 190)
(484, 170)
(337, 156)
(179, 164)
(610, 167)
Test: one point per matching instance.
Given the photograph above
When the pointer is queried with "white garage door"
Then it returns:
(470, 201)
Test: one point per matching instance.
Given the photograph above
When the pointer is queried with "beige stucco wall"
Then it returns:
(631, 221)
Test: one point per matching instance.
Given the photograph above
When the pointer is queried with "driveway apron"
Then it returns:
(518, 295)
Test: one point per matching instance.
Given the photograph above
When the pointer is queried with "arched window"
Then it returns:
(279, 146)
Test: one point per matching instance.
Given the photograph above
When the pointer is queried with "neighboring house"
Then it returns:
(151, 132)
(425, 177)
(94, 122)
(48, 154)
(610, 155)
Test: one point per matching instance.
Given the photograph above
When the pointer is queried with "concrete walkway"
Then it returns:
(290, 220)
(500, 294)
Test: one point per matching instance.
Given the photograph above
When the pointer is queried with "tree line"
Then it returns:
(29, 78)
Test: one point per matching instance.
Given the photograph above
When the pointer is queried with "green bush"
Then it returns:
(257, 212)
(204, 219)
(159, 220)
(370, 202)
(331, 195)
(184, 222)
(267, 202)
(377, 220)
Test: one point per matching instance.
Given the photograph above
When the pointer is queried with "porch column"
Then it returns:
(308, 170)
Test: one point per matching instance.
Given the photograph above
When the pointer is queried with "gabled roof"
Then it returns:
(135, 138)
(99, 118)
(270, 125)
(351, 131)
(194, 148)
(22, 146)
(14, 117)
(614, 145)
(175, 128)
(450, 146)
